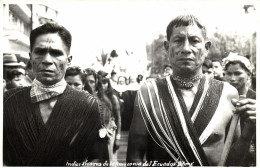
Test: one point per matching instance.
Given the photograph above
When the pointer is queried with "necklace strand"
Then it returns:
(186, 83)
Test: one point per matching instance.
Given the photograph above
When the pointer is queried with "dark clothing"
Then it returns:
(251, 155)
(251, 94)
(70, 134)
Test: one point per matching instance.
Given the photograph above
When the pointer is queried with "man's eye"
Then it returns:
(40, 52)
(56, 53)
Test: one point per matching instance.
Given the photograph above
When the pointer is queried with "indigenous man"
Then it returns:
(50, 123)
(182, 118)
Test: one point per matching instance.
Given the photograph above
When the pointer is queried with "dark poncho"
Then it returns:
(69, 135)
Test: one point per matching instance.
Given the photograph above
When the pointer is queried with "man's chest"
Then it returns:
(46, 108)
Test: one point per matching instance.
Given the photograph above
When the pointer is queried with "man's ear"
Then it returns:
(207, 45)
(166, 45)
(69, 59)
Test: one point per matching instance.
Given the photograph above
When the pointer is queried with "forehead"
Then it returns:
(234, 66)
(74, 78)
(90, 77)
(50, 40)
(191, 30)
(216, 63)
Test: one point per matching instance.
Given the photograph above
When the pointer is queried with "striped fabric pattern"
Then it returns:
(159, 123)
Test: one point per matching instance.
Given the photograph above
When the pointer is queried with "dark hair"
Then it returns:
(75, 70)
(216, 59)
(89, 72)
(51, 28)
(237, 62)
(207, 63)
(106, 96)
(139, 78)
(12, 74)
(167, 65)
(184, 20)
(113, 73)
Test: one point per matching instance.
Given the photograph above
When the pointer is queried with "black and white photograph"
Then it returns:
(129, 83)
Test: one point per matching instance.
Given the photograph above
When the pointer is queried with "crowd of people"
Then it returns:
(55, 114)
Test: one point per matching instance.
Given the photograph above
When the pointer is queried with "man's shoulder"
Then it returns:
(229, 91)
(82, 95)
(16, 92)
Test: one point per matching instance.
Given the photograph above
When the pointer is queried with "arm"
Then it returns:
(117, 115)
(247, 111)
(246, 108)
(138, 134)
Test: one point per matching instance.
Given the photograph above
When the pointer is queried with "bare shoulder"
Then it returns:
(230, 91)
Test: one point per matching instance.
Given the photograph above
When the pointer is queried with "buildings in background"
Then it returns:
(18, 21)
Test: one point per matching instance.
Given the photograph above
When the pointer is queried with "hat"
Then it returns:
(10, 60)
(235, 58)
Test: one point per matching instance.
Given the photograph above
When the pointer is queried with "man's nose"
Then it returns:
(47, 60)
(232, 78)
(186, 47)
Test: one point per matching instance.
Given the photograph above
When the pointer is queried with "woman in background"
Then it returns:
(75, 78)
(238, 73)
(105, 94)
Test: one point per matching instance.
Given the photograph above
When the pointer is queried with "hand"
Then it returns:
(116, 146)
(246, 108)
(247, 111)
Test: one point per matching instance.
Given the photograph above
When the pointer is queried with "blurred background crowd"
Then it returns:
(114, 74)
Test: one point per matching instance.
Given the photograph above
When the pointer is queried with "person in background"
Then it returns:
(207, 68)
(167, 70)
(15, 79)
(10, 63)
(238, 73)
(113, 79)
(50, 123)
(91, 81)
(217, 69)
(75, 78)
(121, 85)
(105, 94)
(139, 78)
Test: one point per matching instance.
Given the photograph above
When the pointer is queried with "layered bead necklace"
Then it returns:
(186, 83)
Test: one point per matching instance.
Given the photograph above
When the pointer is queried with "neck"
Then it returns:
(187, 74)
(243, 91)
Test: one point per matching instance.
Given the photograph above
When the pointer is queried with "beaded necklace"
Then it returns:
(186, 83)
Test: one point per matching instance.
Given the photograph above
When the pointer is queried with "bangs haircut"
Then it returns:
(185, 20)
(73, 71)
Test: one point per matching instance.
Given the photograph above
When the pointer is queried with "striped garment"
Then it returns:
(171, 127)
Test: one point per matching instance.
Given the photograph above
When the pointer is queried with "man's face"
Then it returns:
(187, 49)
(49, 58)
(75, 82)
(236, 76)
(217, 69)
(91, 82)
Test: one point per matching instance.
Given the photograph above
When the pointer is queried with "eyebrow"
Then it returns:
(48, 49)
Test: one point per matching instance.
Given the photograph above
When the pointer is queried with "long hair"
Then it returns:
(107, 95)
(89, 72)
